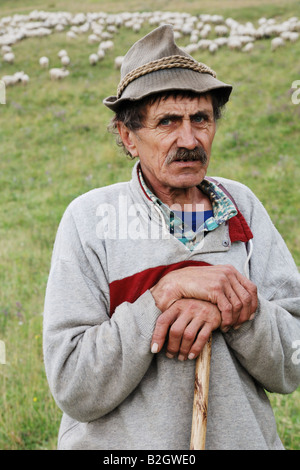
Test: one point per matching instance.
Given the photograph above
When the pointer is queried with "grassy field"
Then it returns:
(54, 146)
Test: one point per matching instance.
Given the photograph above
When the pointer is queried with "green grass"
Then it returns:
(54, 146)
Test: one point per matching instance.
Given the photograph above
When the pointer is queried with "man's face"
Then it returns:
(174, 146)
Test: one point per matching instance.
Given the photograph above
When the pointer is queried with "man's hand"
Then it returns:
(187, 324)
(222, 285)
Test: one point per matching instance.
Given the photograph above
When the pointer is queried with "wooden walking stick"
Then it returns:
(199, 422)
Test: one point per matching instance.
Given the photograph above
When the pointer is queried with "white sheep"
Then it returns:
(277, 42)
(205, 31)
(106, 35)
(9, 80)
(61, 53)
(111, 28)
(5, 49)
(18, 77)
(217, 19)
(118, 62)
(93, 59)
(234, 43)
(59, 28)
(24, 79)
(262, 21)
(58, 74)
(194, 38)
(204, 43)
(136, 27)
(191, 48)
(289, 36)
(106, 45)
(294, 36)
(44, 62)
(100, 53)
(103, 26)
(248, 47)
(177, 35)
(9, 57)
(187, 29)
(213, 47)
(93, 39)
(65, 60)
(221, 41)
(71, 35)
(221, 30)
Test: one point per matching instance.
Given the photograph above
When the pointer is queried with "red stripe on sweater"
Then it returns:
(132, 287)
(239, 230)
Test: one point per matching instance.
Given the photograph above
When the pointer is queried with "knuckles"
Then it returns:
(188, 335)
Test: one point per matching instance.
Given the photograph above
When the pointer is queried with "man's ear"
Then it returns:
(128, 138)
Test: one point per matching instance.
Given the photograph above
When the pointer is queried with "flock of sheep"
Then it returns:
(201, 31)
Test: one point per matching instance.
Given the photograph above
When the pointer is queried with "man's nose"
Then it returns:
(186, 135)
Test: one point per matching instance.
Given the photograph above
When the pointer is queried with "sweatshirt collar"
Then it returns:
(224, 207)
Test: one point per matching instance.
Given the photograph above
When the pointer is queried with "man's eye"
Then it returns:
(165, 122)
(198, 119)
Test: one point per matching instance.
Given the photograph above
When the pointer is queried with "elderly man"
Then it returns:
(143, 273)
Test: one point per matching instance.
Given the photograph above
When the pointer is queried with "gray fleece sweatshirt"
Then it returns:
(99, 316)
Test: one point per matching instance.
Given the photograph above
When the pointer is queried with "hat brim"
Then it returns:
(166, 80)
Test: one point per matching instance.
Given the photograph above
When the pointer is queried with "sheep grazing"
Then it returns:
(58, 74)
(204, 43)
(93, 59)
(65, 60)
(93, 39)
(59, 28)
(222, 41)
(289, 36)
(234, 43)
(100, 54)
(248, 47)
(276, 43)
(213, 47)
(205, 31)
(118, 62)
(71, 35)
(106, 45)
(221, 30)
(191, 48)
(44, 62)
(294, 36)
(5, 49)
(9, 57)
(24, 79)
(61, 53)
(18, 77)
(9, 80)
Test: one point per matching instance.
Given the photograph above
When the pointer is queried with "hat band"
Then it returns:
(174, 61)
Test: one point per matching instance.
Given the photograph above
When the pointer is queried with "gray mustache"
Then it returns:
(182, 155)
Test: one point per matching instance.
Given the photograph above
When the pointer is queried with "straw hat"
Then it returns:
(155, 64)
